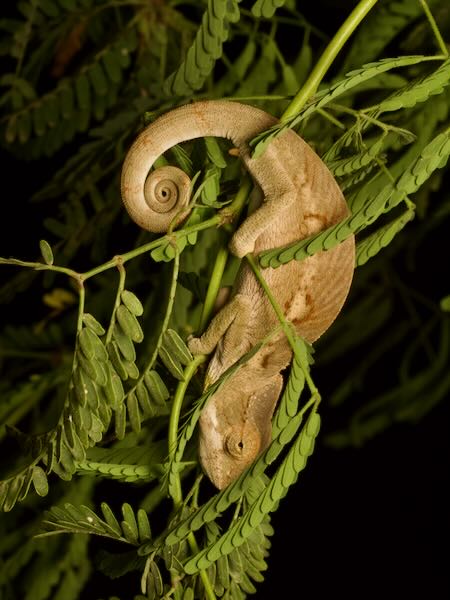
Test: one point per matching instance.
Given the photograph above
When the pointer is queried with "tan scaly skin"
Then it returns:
(301, 198)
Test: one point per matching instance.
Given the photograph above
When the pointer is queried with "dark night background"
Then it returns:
(369, 522)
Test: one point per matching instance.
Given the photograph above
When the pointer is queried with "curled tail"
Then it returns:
(152, 202)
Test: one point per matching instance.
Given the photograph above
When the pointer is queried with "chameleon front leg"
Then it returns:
(274, 208)
(230, 322)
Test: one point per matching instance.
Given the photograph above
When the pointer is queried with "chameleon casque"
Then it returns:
(300, 198)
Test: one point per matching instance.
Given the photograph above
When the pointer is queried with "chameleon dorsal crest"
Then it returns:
(300, 198)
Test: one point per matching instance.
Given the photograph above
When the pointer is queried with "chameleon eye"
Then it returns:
(242, 443)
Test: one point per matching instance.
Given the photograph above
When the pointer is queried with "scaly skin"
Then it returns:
(301, 198)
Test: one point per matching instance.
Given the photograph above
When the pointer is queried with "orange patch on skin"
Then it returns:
(265, 361)
(310, 307)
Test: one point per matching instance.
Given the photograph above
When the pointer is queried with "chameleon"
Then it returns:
(298, 197)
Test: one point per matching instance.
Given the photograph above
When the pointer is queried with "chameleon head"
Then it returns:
(226, 452)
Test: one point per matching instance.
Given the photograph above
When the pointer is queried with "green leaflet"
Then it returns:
(132, 302)
(288, 406)
(137, 463)
(112, 64)
(46, 252)
(81, 519)
(352, 79)
(155, 587)
(114, 391)
(156, 387)
(221, 501)
(380, 27)
(174, 345)
(433, 156)
(214, 152)
(93, 324)
(91, 345)
(418, 91)
(144, 531)
(49, 8)
(129, 524)
(346, 166)
(117, 361)
(69, 107)
(205, 50)
(172, 363)
(237, 70)
(286, 474)
(66, 96)
(124, 343)
(144, 399)
(22, 86)
(210, 187)
(126, 331)
(120, 422)
(97, 79)
(371, 245)
(166, 252)
(40, 481)
(266, 8)
(133, 412)
(17, 490)
(82, 422)
(110, 519)
(262, 73)
(129, 323)
(92, 368)
(231, 575)
(189, 427)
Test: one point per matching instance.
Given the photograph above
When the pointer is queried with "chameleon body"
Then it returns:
(300, 198)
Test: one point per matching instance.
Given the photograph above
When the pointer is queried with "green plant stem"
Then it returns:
(326, 60)
(234, 209)
(276, 307)
(165, 324)
(229, 213)
(285, 324)
(120, 288)
(434, 27)
(203, 574)
(114, 262)
(212, 222)
(189, 371)
(81, 301)
(175, 487)
(214, 286)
